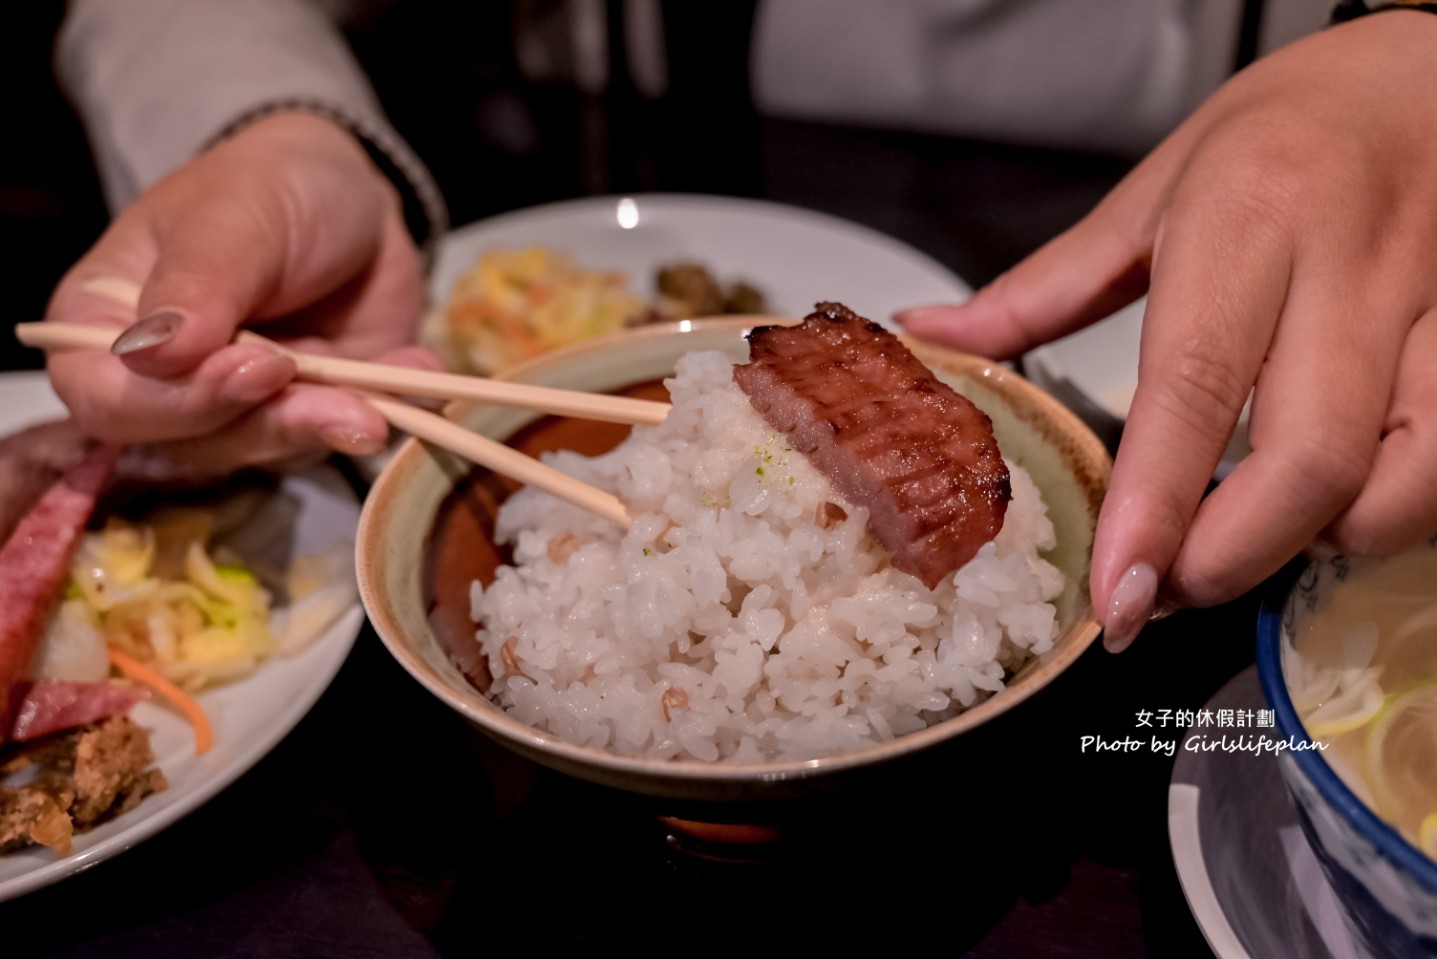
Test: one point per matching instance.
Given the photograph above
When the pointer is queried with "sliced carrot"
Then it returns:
(187, 704)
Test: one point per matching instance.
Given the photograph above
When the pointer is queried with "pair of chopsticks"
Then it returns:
(380, 385)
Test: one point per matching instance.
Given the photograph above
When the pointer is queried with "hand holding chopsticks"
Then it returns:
(372, 381)
(397, 380)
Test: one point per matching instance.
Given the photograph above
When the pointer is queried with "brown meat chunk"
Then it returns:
(33, 459)
(689, 290)
(742, 297)
(693, 286)
(85, 777)
(886, 432)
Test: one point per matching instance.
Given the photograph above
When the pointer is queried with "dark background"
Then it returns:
(50, 204)
(496, 143)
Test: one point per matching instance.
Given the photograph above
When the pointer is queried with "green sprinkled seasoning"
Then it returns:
(766, 457)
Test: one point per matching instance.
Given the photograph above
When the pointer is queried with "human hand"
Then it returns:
(1285, 234)
(287, 226)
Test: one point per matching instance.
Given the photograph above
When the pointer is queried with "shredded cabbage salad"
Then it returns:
(157, 593)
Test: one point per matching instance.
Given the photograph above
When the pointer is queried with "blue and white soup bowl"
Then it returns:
(1387, 888)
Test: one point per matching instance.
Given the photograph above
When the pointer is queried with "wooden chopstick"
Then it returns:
(418, 423)
(493, 455)
(400, 381)
(333, 371)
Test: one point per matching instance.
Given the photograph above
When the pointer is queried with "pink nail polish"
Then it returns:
(919, 314)
(345, 438)
(148, 333)
(258, 378)
(1129, 606)
(1162, 610)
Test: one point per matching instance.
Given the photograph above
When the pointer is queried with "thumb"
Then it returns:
(213, 268)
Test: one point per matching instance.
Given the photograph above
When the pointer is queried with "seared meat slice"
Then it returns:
(35, 562)
(49, 706)
(30, 461)
(889, 435)
(33, 459)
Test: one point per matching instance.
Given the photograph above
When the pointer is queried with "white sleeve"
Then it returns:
(157, 81)
(1115, 75)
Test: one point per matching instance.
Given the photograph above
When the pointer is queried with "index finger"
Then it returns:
(1220, 276)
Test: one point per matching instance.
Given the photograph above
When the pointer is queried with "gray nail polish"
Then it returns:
(148, 333)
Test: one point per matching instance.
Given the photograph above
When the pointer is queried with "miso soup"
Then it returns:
(1363, 676)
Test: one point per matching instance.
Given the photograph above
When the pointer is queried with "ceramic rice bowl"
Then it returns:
(416, 548)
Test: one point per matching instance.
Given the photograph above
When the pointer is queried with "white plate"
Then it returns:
(795, 257)
(1100, 361)
(1254, 885)
(250, 717)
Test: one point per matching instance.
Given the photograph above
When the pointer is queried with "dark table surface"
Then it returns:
(384, 825)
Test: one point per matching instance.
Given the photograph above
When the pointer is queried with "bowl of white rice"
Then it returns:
(744, 639)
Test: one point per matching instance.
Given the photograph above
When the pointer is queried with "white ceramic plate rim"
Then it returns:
(248, 723)
(828, 257)
(1100, 361)
(1185, 836)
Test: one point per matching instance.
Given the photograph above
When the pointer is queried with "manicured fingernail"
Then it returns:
(1129, 607)
(921, 314)
(258, 378)
(1162, 610)
(345, 438)
(1321, 551)
(148, 333)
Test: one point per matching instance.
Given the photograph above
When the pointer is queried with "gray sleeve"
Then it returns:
(156, 81)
